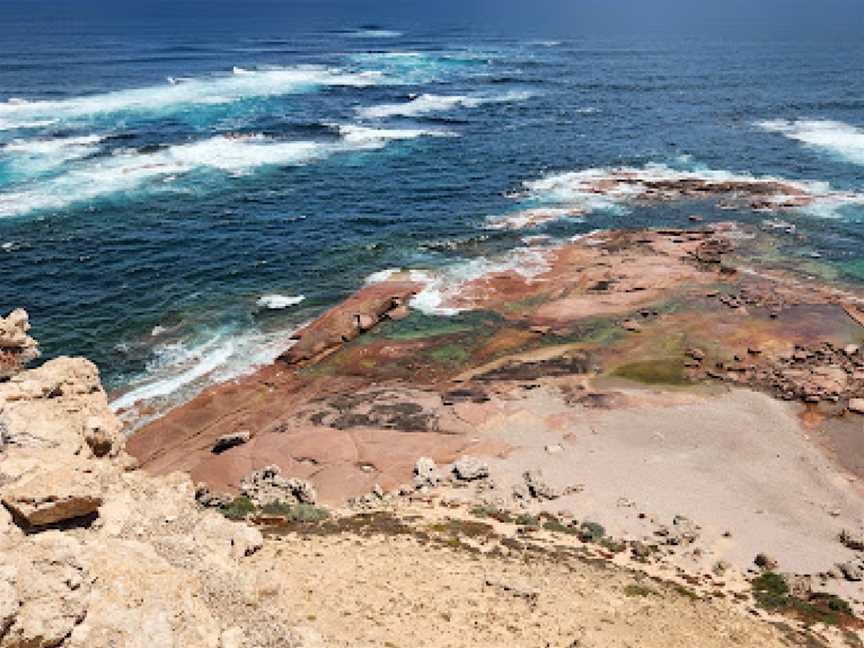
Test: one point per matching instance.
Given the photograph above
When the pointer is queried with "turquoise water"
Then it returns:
(171, 186)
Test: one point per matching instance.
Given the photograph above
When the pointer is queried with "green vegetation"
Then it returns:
(667, 371)
(296, 512)
(242, 507)
(526, 520)
(449, 353)
(634, 590)
(771, 592)
(239, 508)
(556, 526)
(591, 532)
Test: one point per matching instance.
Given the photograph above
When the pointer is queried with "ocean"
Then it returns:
(182, 185)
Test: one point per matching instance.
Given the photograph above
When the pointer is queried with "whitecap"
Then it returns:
(364, 137)
(838, 138)
(33, 156)
(278, 302)
(426, 104)
(127, 171)
(175, 95)
(375, 33)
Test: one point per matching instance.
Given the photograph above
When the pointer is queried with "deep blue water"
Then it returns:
(163, 169)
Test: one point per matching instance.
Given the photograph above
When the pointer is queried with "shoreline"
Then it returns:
(630, 418)
(615, 327)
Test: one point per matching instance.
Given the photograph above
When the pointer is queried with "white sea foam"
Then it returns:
(443, 286)
(838, 138)
(127, 171)
(40, 155)
(426, 104)
(375, 33)
(578, 190)
(279, 302)
(174, 95)
(364, 137)
(382, 275)
(180, 370)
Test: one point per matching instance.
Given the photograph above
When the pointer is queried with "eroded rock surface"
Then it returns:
(17, 348)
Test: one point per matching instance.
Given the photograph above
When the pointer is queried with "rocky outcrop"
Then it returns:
(17, 348)
(61, 492)
(268, 486)
(60, 405)
(357, 314)
(95, 555)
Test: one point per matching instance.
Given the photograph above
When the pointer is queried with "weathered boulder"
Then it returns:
(856, 405)
(139, 600)
(426, 473)
(227, 539)
(59, 405)
(16, 347)
(538, 487)
(54, 493)
(851, 571)
(268, 486)
(49, 587)
(470, 468)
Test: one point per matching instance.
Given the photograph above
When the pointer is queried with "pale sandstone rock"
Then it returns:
(426, 473)
(267, 485)
(59, 405)
(16, 347)
(54, 493)
(139, 600)
(227, 538)
(856, 405)
(52, 588)
(470, 468)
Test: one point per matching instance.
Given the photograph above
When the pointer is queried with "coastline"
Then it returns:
(622, 325)
(630, 417)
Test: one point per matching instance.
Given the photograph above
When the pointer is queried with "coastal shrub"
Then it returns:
(239, 508)
(556, 526)
(633, 590)
(772, 593)
(493, 513)
(611, 545)
(526, 520)
(591, 532)
(296, 512)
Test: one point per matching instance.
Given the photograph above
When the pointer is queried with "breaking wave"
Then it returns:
(180, 93)
(127, 172)
(444, 288)
(180, 370)
(279, 302)
(840, 139)
(429, 103)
